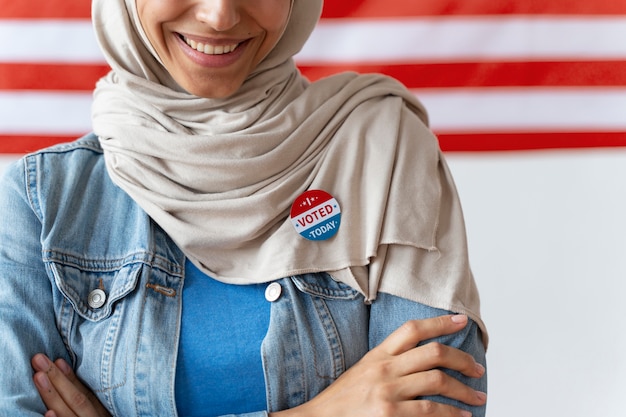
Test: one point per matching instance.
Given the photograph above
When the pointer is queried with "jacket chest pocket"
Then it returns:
(95, 317)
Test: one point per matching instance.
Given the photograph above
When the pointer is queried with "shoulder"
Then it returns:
(69, 176)
(372, 90)
(52, 163)
(78, 207)
(65, 162)
(86, 147)
(56, 160)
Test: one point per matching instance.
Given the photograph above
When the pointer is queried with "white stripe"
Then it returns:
(48, 41)
(385, 40)
(45, 113)
(525, 109)
(450, 110)
(300, 221)
(466, 39)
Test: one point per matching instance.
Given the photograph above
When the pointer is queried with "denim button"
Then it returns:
(96, 298)
(273, 292)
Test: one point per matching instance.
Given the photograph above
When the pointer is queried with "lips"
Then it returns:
(209, 49)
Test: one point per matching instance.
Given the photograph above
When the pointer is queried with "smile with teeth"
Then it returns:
(211, 49)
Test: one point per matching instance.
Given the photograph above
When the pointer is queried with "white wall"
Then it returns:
(547, 235)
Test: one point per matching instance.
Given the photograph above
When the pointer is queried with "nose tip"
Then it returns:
(221, 15)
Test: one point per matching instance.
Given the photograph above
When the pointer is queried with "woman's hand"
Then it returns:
(387, 380)
(62, 392)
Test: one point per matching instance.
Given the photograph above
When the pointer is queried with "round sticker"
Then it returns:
(316, 215)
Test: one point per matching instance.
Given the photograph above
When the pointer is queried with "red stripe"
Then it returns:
(48, 9)
(449, 142)
(397, 8)
(489, 74)
(75, 77)
(21, 144)
(53, 9)
(480, 142)
(72, 77)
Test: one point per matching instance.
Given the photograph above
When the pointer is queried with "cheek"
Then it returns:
(275, 18)
(153, 13)
(279, 14)
(272, 15)
(146, 17)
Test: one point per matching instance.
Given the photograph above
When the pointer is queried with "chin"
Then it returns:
(210, 90)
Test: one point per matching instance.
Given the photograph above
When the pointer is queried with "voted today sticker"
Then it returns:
(316, 215)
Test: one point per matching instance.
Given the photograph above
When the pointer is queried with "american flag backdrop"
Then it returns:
(495, 75)
(528, 99)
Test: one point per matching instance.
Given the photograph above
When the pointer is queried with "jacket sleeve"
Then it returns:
(388, 312)
(26, 297)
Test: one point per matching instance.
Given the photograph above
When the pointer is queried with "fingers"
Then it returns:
(71, 376)
(437, 382)
(436, 355)
(418, 368)
(419, 373)
(411, 333)
(428, 408)
(62, 392)
(403, 342)
(51, 397)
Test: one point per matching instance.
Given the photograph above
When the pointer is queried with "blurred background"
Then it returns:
(528, 98)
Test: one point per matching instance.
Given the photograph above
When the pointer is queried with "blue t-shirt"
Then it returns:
(219, 369)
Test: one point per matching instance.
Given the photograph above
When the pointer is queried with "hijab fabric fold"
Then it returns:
(220, 175)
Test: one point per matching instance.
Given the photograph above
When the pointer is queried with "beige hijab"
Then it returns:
(220, 176)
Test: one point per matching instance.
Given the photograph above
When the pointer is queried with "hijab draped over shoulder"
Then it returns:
(220, 175)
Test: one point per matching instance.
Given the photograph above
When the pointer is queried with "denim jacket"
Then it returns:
(87, 276)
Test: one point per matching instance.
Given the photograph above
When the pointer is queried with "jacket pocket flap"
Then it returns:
(324, 286)
(93, 291)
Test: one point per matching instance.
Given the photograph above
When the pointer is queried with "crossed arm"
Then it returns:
(387, 382)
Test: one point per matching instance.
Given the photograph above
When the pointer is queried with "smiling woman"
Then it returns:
(222, 41)
(211, 250)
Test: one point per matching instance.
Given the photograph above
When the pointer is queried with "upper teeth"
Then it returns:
(211, 49)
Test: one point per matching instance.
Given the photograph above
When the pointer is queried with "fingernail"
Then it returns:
(459, 318)
(42, 363)
(479, 368)
(63, 366)
(481, 396)
(42, 380)
(466, 414)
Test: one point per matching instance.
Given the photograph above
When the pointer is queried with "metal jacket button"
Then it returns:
(96, 298)
(273, 292)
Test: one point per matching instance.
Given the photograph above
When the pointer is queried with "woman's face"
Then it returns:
(211, 46)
